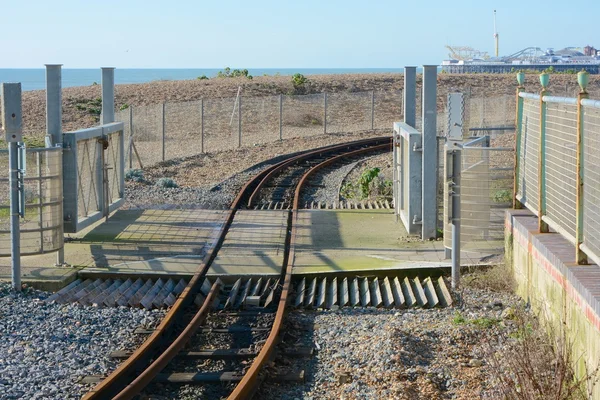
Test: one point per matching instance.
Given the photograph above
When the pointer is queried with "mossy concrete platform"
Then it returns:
(142, 243)
(365, 240)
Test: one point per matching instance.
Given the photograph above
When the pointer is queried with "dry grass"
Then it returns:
(497, 278)
(537, 363)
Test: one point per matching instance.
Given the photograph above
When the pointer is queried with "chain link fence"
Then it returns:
(42, 226)
(166, 131)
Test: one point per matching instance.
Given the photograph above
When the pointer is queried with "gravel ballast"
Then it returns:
(46, 348)
(368, 353)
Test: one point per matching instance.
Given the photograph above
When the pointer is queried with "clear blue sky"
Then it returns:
(278, 34)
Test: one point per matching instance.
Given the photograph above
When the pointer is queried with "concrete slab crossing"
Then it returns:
(137, 243)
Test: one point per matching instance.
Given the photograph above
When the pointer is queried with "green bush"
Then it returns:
(503, 196)
(299, 82)
(135, 175)
(124, 107)
(365, 180)
(166, 183)
(236, 73)
(202, 78)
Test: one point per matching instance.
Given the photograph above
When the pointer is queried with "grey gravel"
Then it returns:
(147, 195)
(326, 186)
(368, 353)
(45, 349)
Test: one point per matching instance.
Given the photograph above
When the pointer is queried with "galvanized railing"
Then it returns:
(558, 167)
(94, 164)
(41, 228)
(486, 180)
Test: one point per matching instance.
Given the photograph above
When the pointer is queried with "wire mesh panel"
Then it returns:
(388, 108)
(147, 133)
(349, 112)
(561, 165)
(485, 191)
(89, 179)
(112, 158)
(591, 167)
(484, 112)
(183, 126)
(527, 185)
(221, 124)
(303, 115)
(93, 177)
(260, 120)
(42, 226)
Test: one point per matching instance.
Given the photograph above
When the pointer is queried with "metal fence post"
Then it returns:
(542, 226)
(130, 137)
(53, 103)
(456, 172)
(410, 97)
(240, 121)
(429, 213)
(280, 117)
(12, 123)
(582, 79)
(108, 95)
(518, 134)
(372, 110)
(325, 112)
(54, 123)
(163, 131)
(202, 125)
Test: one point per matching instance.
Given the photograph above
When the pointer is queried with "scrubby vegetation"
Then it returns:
(235, 73)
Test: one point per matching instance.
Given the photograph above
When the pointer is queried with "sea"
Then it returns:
(35, 79)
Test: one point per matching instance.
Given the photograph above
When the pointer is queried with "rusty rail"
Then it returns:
(119, 385)
(306, 156)
(248, 385)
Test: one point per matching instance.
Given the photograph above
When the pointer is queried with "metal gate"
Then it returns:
(41, 228)
(485, 190)
(94, 182)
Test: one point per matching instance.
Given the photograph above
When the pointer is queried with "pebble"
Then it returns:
(45, 349)
(369, 353)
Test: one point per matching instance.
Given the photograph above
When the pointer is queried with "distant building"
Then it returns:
(590, 51)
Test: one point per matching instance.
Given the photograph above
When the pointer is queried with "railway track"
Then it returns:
(205, 310)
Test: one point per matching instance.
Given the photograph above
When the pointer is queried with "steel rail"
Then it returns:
(113, 384)
(307, 156)
(249, 383)
(118, 385)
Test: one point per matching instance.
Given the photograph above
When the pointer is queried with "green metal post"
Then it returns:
(542, 226)
(581, 257)
(518, 130)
